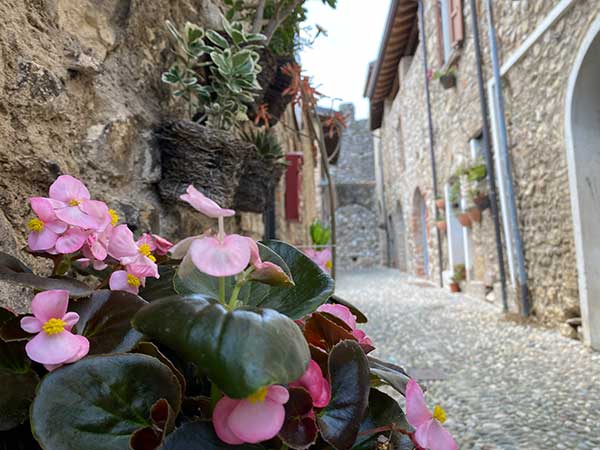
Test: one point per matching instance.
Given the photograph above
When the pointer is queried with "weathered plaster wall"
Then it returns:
(535, 97)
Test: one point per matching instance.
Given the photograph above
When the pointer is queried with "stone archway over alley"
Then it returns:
(503, 385)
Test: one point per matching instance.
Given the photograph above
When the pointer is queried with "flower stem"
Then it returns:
(222, 290)
(215, 396)
(234, 295)
(221, 234)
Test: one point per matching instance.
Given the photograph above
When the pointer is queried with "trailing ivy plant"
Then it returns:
(214, 73)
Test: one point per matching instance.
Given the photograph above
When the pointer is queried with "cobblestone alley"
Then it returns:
(503, 385)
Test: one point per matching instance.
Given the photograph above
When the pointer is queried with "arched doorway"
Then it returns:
(582, 125)
(419, 218)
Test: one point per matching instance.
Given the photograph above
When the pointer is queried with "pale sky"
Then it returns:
(338, 62)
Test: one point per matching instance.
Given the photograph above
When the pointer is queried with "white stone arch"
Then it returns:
(582, 132)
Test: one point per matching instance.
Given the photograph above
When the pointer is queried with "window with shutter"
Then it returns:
(292, 185)
(457, 31)
(440, 32)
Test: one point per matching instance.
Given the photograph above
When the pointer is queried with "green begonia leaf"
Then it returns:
(200, 436)
(98, 402)
(241, 351)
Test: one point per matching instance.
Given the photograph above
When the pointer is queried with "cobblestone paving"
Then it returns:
(503, 385)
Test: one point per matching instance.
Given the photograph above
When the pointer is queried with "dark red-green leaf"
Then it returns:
(98, 402)
(388, 373)
(157, 288)
(17, 384)
(10, 329)
(324, 331)
(162, 417)
(148, 348)
(383, 412)
(241, 351)
(299, 431)
(200, 436)
(349, 374)
(105, 319)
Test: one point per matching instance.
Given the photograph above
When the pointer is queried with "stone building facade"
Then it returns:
(80, 93)
(354, 176)
(549, 53)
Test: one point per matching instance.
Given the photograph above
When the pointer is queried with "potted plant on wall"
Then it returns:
(447, 78)
(440, 202)
(215, 75)
(440, 223)
(261, 172)
(458, 276)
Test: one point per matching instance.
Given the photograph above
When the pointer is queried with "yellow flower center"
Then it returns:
(439, 414)
(54, 326)
(145, 250)
(329, 265)
(36, 225)
(259, 396)
(114, 217)
(74, 202)
(134, 281)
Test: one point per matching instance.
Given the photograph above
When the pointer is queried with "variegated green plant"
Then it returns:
(216, 74)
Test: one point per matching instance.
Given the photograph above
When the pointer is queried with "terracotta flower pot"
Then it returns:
(440, 203)
(442, 226)
(464, 219)
(475, 214)
(482, 201)
(454, 287)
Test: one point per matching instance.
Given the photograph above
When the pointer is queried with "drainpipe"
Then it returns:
(430, 126)
(488, 156)
(506, 163)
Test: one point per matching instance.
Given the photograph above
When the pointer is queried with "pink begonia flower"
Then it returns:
(71, 202)
(204, 204)
(54, 343)
(429, 432)
(221, 256)
(46, 227)
(123, 247)
(342, 312)
(161, 245)
(321, 257)
(266, 271)
(254, 419)
(130, 279)
(316, 384)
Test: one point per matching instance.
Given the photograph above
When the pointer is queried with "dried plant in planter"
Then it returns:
(216, 75)
(195, 154)
(261, 171)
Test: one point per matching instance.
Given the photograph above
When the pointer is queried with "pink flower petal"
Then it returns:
(162, 245)
(84, 348)
(220, 417)
(119, 282)
(147, 239)
(31, 324)
(416, 410)
(55, 349)
(42, 240)
(43, 208)
(98, 211)
(73, 215)
(256, 422)
(122, 243)
(57, 226)
(438, 438)
(221, 259)
(71, 241)
(67, 188)
(317, 386)
(70, 318)
(50, 305)
(179, 250)
(422, 433)
(204, 204)
(278, 394)
(97, 248)
(143, 270)
(341, 312)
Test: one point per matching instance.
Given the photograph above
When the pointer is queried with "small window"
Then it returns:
(450, 28)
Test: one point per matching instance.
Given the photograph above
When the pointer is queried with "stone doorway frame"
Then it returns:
(580, 138)
(422, 263)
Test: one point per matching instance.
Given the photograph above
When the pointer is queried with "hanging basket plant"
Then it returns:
(210, 159)
(261, 171)
(465, 219)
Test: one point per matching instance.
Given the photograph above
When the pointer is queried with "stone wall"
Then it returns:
(80, 93)
(358, 240)
(535, 90)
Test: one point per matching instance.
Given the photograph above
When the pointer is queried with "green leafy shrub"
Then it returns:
(266, 143)
(216, 75)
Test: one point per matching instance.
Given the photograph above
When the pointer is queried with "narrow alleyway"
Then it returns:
(503, 385)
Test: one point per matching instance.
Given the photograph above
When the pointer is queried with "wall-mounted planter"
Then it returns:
(482, 201)
(211, 160)
(464, 219)
(258, 178)
(454, 287)
(442, 226)
(440, 203)
(448, 81)
(474, 214)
